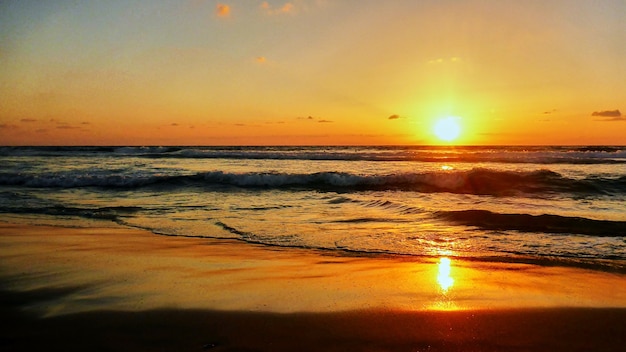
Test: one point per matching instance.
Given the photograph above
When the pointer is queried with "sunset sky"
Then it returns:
(246, 72)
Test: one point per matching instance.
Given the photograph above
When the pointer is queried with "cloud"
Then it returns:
(611, 115)
(174, 124)
(66, 127)
(314, 119)
(8, 126)
(621, 118)
(260, 59)
(442, 60)
(607, 113)
(28, 120)
(284, 9)
(393, 117)
(58, 122)
(222, 10)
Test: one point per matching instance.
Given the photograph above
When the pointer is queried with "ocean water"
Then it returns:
(542, 205)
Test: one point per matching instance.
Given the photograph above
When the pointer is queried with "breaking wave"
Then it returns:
(527, 154)
(476, 181)
(546, 223)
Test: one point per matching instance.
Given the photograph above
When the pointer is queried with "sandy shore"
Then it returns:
(126, 289)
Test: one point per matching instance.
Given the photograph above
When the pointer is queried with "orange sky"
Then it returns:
(246, 72)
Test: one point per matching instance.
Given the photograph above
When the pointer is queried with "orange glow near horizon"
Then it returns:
(375, 73)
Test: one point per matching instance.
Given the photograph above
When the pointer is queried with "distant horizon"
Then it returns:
(319, 145)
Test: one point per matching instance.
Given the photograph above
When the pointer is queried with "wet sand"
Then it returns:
(126, 289)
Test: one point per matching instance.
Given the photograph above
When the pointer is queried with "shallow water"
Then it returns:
(551, 205)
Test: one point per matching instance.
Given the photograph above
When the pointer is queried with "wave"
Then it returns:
(102, 213)
(540, 155)
(484, 219)
(543, 224)
(608, 263)
(546, 223)
(476, 181)
(63, 151)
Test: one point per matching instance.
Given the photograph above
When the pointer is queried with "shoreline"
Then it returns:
(122, 268)
(126, 289)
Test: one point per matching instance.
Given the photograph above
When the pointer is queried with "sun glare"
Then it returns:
(447, 129)
(443, 275)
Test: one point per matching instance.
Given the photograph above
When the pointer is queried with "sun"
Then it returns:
(447, 129)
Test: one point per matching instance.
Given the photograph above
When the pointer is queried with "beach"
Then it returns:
(313, 175)
(116, 288)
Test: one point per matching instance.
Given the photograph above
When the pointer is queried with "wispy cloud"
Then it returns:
(443, 60)
(393, 117)
(283, 9)
(222, 10)
(28, 120)
(311, 118)
(260, 59)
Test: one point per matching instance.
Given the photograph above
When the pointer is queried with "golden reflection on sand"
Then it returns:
(445, 281)
(132, 270)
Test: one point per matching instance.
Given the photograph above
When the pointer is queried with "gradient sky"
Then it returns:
(245, 72)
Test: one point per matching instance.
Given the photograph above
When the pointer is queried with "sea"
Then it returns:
(544, 205)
